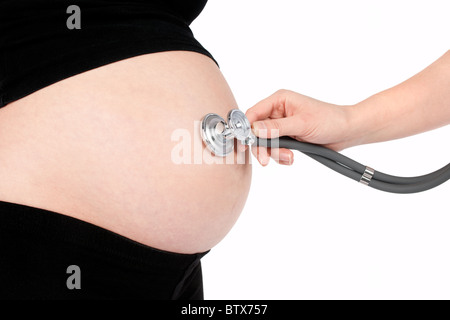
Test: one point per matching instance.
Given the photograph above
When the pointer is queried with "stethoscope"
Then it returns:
(218, 136)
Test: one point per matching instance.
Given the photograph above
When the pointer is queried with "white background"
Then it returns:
(307, 232)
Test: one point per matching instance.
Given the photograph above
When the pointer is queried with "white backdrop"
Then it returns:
(307, 232)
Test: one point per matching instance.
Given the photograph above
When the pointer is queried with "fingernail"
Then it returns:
(257, 126)
(264, 160)
(285, 158)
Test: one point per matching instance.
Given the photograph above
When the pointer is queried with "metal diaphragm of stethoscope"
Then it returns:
(218, 136)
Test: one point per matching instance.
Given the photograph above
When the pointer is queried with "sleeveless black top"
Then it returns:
(45, 41)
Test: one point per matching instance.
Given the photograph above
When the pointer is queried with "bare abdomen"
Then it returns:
(99, 146)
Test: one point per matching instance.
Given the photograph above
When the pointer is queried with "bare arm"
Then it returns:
(418, 104)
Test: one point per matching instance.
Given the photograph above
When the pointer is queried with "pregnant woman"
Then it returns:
(92, 203)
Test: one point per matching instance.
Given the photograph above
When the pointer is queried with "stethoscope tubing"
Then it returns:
(355, 170)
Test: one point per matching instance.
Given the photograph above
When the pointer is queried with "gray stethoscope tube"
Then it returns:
(361, 173)
(219, 135)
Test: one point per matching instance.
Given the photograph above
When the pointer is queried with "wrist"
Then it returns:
(361, 124)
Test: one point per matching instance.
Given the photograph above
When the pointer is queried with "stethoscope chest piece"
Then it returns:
(212, 128)
(219, 135)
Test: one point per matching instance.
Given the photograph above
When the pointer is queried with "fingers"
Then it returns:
(270, 119)
(274, 128)
(261, 154)
(281, 156)
(271, 107)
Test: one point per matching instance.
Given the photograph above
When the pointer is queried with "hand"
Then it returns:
(287, 113)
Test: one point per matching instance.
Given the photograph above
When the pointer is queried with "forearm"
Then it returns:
(419, 104)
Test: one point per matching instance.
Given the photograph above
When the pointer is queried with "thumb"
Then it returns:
(274, 128)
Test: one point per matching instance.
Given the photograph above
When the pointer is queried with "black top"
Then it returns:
(40, 43)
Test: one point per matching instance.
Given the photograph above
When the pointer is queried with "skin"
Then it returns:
(99, 147)
(419, 104)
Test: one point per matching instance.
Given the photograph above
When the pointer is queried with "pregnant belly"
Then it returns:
(118, 146)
